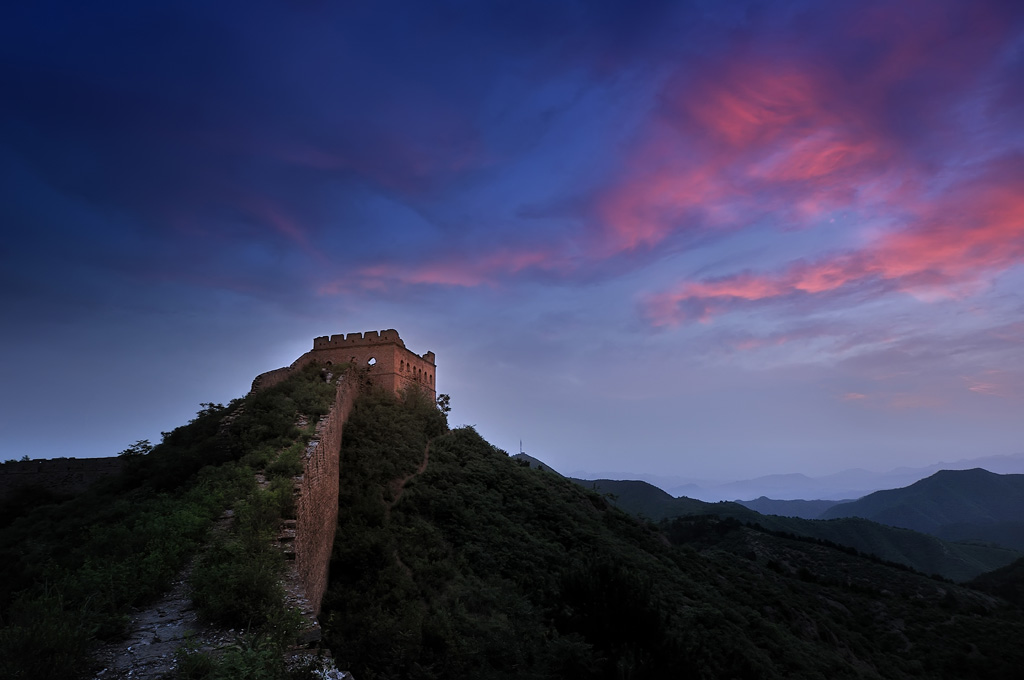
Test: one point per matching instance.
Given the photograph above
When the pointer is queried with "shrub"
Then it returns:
(289, 462)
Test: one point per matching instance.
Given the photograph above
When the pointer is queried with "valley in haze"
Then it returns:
(846, 485)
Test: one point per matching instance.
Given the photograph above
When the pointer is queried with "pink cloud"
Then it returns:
(750, 103)
(458, 271)
(950, 247)
(646, 209)
(908, 400)
(773, 132)
(994, 383)
(896, 401)
(747, 138)
(268, 213)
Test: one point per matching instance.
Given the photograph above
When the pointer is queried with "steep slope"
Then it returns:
(953, 504)
(479, 567)
(919, 551)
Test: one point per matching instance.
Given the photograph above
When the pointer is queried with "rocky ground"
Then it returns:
(157, 631)
(155, 634)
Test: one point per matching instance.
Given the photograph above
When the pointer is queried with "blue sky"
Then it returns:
(707, 239)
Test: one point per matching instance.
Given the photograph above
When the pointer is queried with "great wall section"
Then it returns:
(316, 502)
(377, 358)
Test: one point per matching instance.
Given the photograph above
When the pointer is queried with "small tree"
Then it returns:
(444, 403)
(207, 408)
(139, 448)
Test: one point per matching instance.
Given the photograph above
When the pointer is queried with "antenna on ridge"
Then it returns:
(520, 446)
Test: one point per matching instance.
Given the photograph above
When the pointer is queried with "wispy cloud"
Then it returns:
(951, 246)
(996, 383)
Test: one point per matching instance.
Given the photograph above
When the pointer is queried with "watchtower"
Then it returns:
(390, 364)
(383, 354)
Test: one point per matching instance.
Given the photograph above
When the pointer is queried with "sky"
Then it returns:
(706, 239)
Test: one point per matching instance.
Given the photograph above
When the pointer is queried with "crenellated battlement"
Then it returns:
(358, 339)
(383, 354)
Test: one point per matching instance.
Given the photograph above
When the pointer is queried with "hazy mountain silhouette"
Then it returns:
(801, 508)
(852, 483)
(920, 551)
(975, 505)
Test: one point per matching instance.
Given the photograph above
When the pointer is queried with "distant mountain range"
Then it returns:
(801, 508)
(848, 484)
(961, 505)
(925, 553)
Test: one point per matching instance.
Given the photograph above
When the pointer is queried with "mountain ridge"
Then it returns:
(973, 504)
(925, 553)
(846, 484)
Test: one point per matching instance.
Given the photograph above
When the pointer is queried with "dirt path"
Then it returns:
(155, 632)
(397, 486)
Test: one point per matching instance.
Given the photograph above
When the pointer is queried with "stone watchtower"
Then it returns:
(388, 363)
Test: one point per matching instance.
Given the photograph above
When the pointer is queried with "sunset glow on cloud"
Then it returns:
(954, 244)
(725, 216)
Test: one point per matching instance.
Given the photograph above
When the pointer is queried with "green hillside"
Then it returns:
(927, 554)
(454, 561)
(975, 505)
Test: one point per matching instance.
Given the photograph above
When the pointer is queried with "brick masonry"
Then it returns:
(316, 507)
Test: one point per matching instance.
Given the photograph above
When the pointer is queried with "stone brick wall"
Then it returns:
(388, 364)
(316, 507)
(65, 476)
(271, 378)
